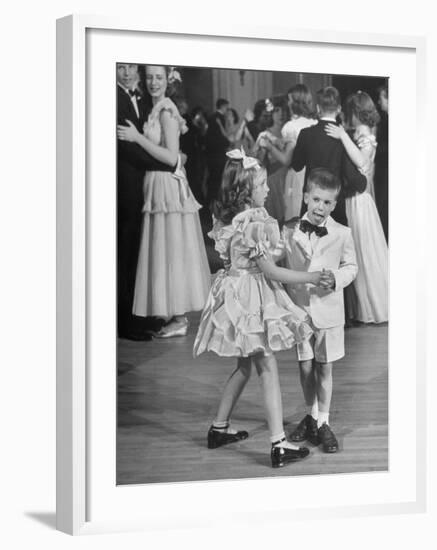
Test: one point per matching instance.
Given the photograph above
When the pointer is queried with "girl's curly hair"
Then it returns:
(235, 193)
(361, 105)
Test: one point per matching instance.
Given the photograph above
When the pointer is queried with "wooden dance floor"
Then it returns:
(167, 400)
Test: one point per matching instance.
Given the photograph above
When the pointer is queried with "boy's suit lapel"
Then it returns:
(309, 248)
(302, 241)
(323, 242)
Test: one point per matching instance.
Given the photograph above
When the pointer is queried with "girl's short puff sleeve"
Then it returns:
(260, 233)
(221, 235)
(167, 105)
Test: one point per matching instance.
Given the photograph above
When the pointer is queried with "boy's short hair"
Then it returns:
(323, 178)
(258, 108)
(328, 99)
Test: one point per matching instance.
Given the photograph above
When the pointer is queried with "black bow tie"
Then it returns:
(308, 227)
(133, 93)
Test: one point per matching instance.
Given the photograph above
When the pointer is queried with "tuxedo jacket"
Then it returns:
(216, 143)
(334, 251)
(132, 160)
(315, 149)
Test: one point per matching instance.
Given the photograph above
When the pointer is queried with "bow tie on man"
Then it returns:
(308, 227)
(134, 93)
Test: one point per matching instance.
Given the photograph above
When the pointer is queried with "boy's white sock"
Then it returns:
(323, 417)
(313, 410)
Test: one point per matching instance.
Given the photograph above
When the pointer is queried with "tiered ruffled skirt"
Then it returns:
(173, 275)
(247, 314)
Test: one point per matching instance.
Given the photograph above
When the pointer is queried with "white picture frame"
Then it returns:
(76, 348)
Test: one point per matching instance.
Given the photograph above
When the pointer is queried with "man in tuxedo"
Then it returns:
(132, 163)
(316, 149)
(216, 146)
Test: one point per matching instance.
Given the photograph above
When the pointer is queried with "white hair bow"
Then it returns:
(174, 75)
(239, 154)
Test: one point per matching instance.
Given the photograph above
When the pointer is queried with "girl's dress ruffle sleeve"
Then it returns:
(260, 233)
(289, 133)
(254, 227)
(221, 235)
(167, 105)
(367, 145)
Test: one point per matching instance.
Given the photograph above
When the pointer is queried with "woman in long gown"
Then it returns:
(173, 275)
(276, 170)
(301, 107)
(371, 283)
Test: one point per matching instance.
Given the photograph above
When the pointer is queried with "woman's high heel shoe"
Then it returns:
(179, 329)
(281, 456)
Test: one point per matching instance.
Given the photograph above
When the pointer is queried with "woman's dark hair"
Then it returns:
(258, 109)
(235, 116)
(235, 193)
(198, 110)
(361, 105)
(301, 101)
(280, 102)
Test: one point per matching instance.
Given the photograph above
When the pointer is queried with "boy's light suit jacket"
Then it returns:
(334, 251)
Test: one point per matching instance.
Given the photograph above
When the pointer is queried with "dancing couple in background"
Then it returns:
(305, 143)
(164, 241)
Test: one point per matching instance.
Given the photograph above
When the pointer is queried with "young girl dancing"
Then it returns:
(370, 305)
(248, 314)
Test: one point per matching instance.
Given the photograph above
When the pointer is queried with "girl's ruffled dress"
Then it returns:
(246, 313)
(173, 275)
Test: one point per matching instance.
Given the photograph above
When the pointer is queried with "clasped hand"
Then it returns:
(325, 279)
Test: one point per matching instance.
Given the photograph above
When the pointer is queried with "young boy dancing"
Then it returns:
(313, 243)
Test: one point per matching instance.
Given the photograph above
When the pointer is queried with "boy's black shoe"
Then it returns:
(281, 456)
(327, 439)
(218, 438)
(306, 431)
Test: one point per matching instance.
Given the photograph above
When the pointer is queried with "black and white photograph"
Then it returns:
(252, 273)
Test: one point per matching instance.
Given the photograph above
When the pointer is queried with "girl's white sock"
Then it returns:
(223, 427)
(283, 442)
(323, 417)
